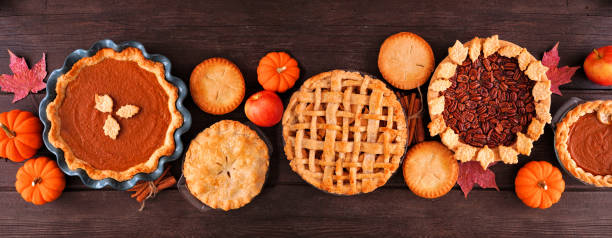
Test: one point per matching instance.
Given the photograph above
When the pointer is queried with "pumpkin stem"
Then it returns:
(542, 184)
(281, 69)
(37, 180)
(7, 131)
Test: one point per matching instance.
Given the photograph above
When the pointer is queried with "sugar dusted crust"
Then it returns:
(562, 140)
(338, 160)
(430, 170)
(541, 93)
(128, 54)
(226, 144)
(405, 60)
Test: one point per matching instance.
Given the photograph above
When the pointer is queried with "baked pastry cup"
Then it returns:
(226, 165)
(405, 60)
(469, 98)
(217, 86)
(154, 165)
(582, 142)
(344, 132)
(430, 171)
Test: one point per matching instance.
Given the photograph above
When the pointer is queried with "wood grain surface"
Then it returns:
(322, 36)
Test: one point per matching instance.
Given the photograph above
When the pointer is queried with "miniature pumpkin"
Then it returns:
(277, 71)
(539, 184)
(40, 181)
(20, 136)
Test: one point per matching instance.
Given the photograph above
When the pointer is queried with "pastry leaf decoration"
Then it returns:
(471, 173)
(111, 127)
(23, 80)
(557, 76)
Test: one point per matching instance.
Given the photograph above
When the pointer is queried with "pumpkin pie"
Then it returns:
(344, 132)
(583, 143)
(217, 86)
(489, 100)
(114, 114)
(226, 164)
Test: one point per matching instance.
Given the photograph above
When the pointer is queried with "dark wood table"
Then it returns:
(321, 36)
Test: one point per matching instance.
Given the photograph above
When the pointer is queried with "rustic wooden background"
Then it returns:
(321, 36)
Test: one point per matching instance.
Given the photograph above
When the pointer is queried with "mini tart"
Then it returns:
(472, 51)
(596, 139)
(77, 126)
(225, 166)
(405, 60)
(217, 86)
(430, 171)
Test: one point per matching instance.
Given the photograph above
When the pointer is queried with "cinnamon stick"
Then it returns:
(420, 130)
(140, 192)
(166, 183)
(411, 122)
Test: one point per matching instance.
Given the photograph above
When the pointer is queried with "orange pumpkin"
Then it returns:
(21, 135)
(539, 184)
(277, 71)
(40, 181)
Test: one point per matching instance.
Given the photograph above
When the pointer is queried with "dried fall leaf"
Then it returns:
(23, 80)
(557, 76)
(471, 173)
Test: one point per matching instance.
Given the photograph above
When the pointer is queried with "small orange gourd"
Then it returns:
(40, 181)
(20, 135)
(539, 184)
(277, 71)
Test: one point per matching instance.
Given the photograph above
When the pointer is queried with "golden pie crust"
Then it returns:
(430, 171)
(128, 54)
(217, 86)
(562, 136)
(225, 166)
(344, 133)
(405, 60)
(532, 67)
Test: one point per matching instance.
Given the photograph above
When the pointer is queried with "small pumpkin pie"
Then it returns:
(114, 114)
(226, 164)
(489, 100)
(583, 142)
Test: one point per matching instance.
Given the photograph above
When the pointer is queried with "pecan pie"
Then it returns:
(489, 100)
(344, 133)
(114, 115)
(583, 143)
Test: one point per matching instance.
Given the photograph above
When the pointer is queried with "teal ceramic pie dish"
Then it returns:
(71, 59)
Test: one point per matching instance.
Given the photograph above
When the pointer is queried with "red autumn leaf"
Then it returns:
(557, 76)
(471, 173)
(23, 80)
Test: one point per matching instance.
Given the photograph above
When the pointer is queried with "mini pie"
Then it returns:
(344, 133)
(430, 171)
(489, 100)
(583, 142)
(217, 86)
(225, 166)
(405, 60)
(84, 120)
